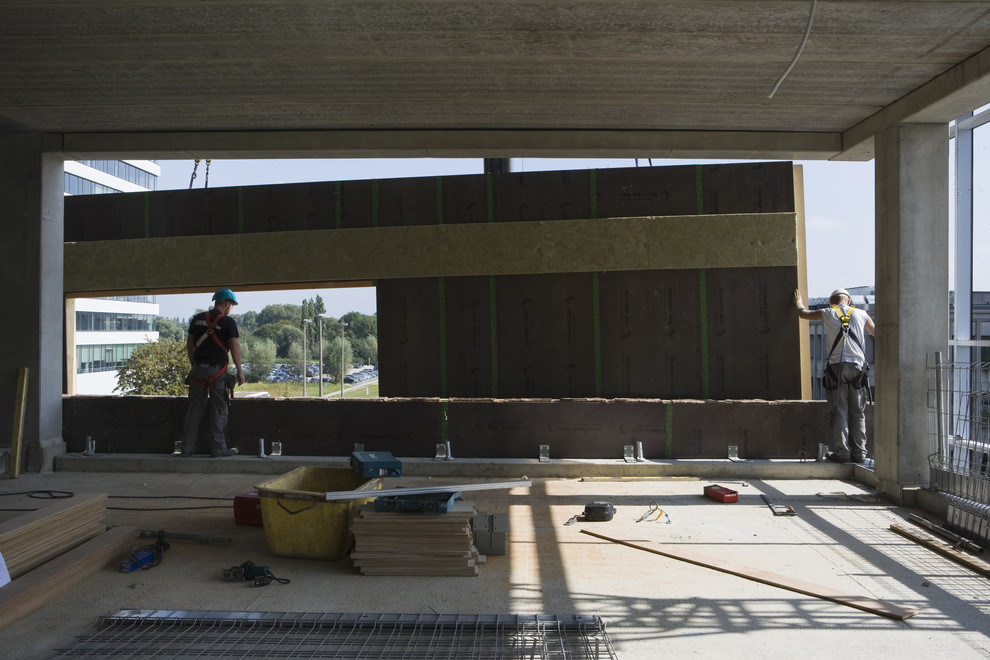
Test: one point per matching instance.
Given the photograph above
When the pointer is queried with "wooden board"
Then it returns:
(942, 548)
(35, 537)
(410, 543)
(20, 401)
(871, 605)
(50, 580)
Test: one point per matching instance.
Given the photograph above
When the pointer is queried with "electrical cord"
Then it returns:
(260, 576)
(62, 494)
(265, 580)
(40, 495)
(168, 497)
(167, 508)
(807, 31)
(43, 494)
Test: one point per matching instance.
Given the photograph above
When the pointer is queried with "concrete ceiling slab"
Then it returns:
(272, 70)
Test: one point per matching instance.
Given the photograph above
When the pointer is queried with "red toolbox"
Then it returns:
(247, 509)
(721, 494)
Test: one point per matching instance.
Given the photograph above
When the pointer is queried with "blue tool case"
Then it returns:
(376, 464)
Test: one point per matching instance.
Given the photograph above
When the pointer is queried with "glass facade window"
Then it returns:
(75, 185)
(113, 322)
(140, 299)
(94, 358)
(125, 171)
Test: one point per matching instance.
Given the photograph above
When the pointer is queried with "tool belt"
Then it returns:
(830, 377)
(203, 375)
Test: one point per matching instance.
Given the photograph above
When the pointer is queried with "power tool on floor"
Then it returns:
(145, 557)
(259, 576)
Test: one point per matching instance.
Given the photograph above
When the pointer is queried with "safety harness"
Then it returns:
(844, 319)
(211, 326)
(830, 380)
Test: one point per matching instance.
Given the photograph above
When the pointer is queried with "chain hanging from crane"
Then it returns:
(206, 178)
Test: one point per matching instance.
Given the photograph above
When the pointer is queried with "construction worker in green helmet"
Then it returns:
(845, 377)
(211, 341)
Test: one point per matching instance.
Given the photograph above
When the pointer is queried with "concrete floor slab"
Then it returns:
(652, 605)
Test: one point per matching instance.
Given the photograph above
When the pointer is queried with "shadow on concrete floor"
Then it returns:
(840, 539)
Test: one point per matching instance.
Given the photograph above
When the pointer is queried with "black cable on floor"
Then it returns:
(168, 497)
(43, 494)
(168, 508)
(40, 495)
(62, 494)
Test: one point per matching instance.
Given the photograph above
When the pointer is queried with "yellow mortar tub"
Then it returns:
(298, 520)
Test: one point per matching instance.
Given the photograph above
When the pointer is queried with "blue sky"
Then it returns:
(839, 211)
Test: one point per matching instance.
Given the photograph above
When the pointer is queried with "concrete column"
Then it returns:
(31, 188)
(912, 312)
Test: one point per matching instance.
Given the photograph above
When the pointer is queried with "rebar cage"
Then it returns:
(959, 421)
(214, 634)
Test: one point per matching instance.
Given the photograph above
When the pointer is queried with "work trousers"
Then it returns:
(847, 417)
(213, 402)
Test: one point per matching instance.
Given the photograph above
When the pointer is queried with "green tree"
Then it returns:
(279, 313)
(311, 309)
(360, 325)
(331, 357)
(169, 329)
(157, 367)
(260, 352)
(295, 359)
(283, 335)
(247, 323)
(366, 349)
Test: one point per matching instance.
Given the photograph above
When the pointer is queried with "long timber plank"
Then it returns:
(872, 605)
(52, 579)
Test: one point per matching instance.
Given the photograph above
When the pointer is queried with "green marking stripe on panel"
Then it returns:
(490, 196)
(703, 305)
(595, 290)
(443, 421)
(593, 187)
(374, 203)
(700, 198)
(443, 337)
(494, 334)
(240, 210)
(670, 430)
(147, 215)
(439, 200)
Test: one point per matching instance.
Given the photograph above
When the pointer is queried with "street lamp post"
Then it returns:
(320, 316)
(342, 326)
(305, 373)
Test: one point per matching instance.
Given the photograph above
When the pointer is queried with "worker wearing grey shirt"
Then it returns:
(845, 373)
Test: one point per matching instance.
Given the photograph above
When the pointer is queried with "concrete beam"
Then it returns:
(450, 144)
(960, 90)
(502, 248)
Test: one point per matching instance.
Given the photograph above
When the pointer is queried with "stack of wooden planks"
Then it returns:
(53, 549)
(30, 540)
(410, 543)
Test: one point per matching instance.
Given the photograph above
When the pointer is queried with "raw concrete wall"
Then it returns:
(476, 428)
